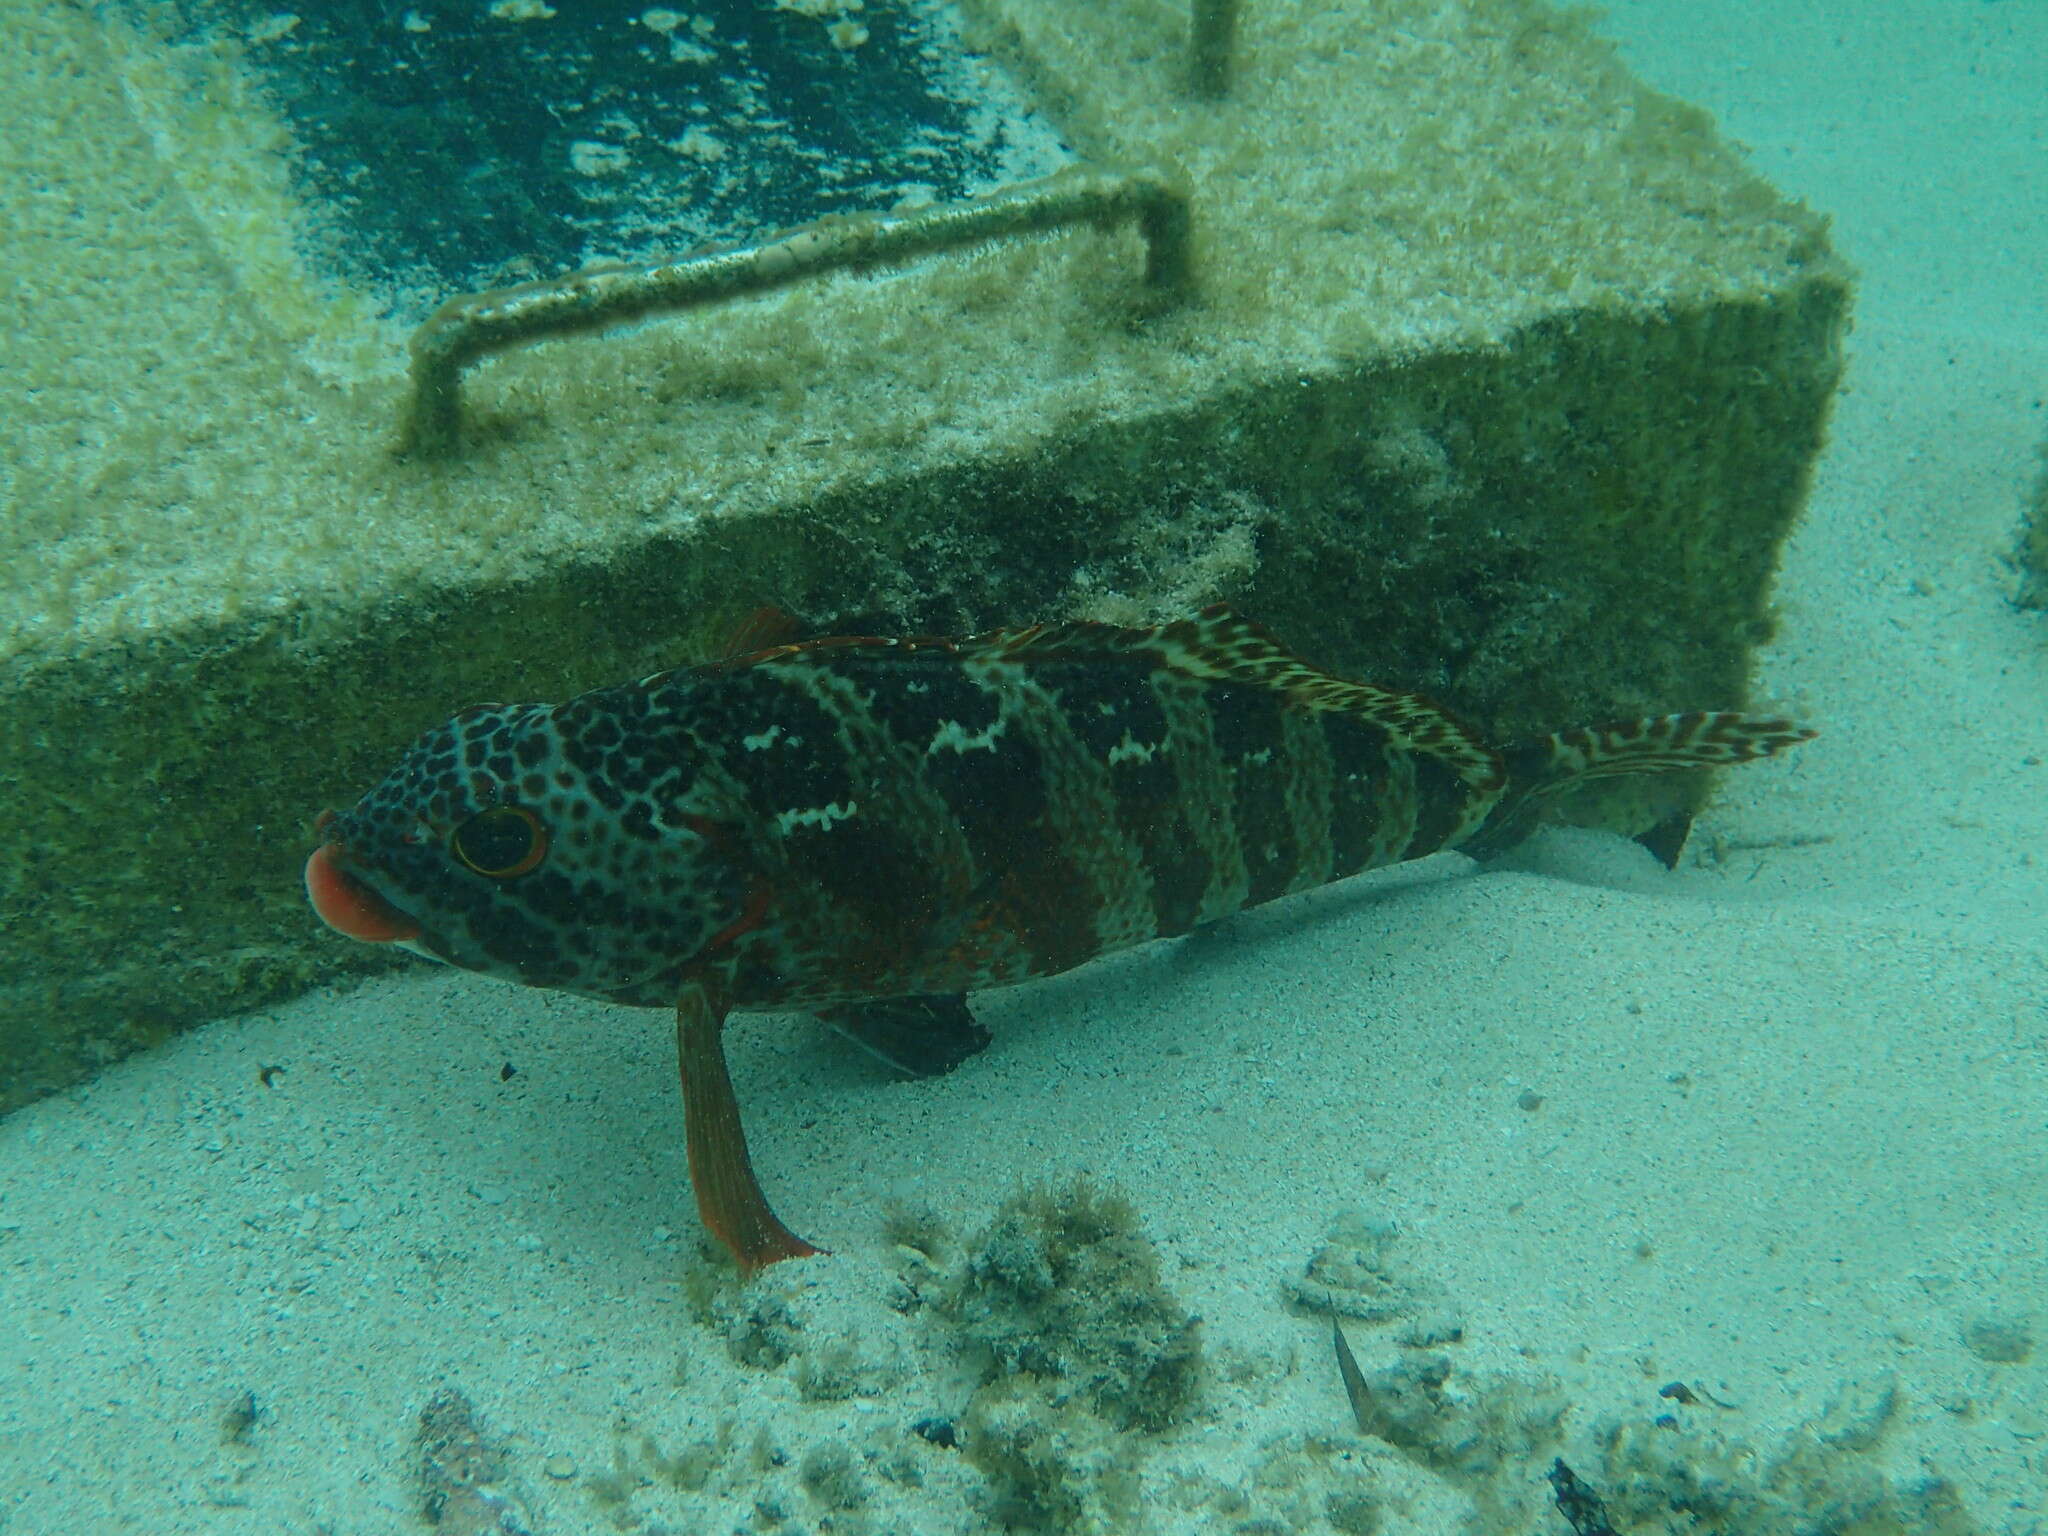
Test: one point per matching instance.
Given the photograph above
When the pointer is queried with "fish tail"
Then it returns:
(1543, 770)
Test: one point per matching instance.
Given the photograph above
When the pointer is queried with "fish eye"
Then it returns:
(504, 841)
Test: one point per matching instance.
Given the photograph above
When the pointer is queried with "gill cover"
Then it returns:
(555, 846)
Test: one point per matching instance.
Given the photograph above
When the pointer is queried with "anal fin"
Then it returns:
(1666, 840)
(923, 1036)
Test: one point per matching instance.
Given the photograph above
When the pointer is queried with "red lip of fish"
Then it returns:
(348, 906)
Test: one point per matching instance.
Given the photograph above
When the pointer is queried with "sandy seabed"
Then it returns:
(1729, 1186)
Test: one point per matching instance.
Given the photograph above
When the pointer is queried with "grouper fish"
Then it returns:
(871, 829)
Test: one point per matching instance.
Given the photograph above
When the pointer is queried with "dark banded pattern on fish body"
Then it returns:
(1012, 806)
(852, 824)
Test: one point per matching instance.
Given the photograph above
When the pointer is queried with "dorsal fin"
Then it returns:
(1216, 646)
(1220, 645)
(766, 628)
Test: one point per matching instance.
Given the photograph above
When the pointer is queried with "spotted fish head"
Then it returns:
(559, 846)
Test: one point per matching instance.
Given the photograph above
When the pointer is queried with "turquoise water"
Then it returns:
(1723, 1186)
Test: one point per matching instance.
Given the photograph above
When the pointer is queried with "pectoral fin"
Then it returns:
(729, 1198)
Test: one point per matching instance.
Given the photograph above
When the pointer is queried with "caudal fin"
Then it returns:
(1542, 770)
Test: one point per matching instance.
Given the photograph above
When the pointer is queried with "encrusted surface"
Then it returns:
(1509, 398)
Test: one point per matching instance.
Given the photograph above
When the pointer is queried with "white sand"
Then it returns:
(1792, 1143)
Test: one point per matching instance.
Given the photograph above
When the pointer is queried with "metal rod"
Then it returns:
(473, 326)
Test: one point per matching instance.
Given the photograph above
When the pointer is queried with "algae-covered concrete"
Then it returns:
(1501, 378)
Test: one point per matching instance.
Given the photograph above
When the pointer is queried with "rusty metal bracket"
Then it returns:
(475, 325)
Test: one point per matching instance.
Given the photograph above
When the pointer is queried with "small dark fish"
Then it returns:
(870, 829)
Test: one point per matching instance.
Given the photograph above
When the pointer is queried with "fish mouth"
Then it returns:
(350, 907)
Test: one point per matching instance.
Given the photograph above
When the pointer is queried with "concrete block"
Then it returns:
(1500, 377)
